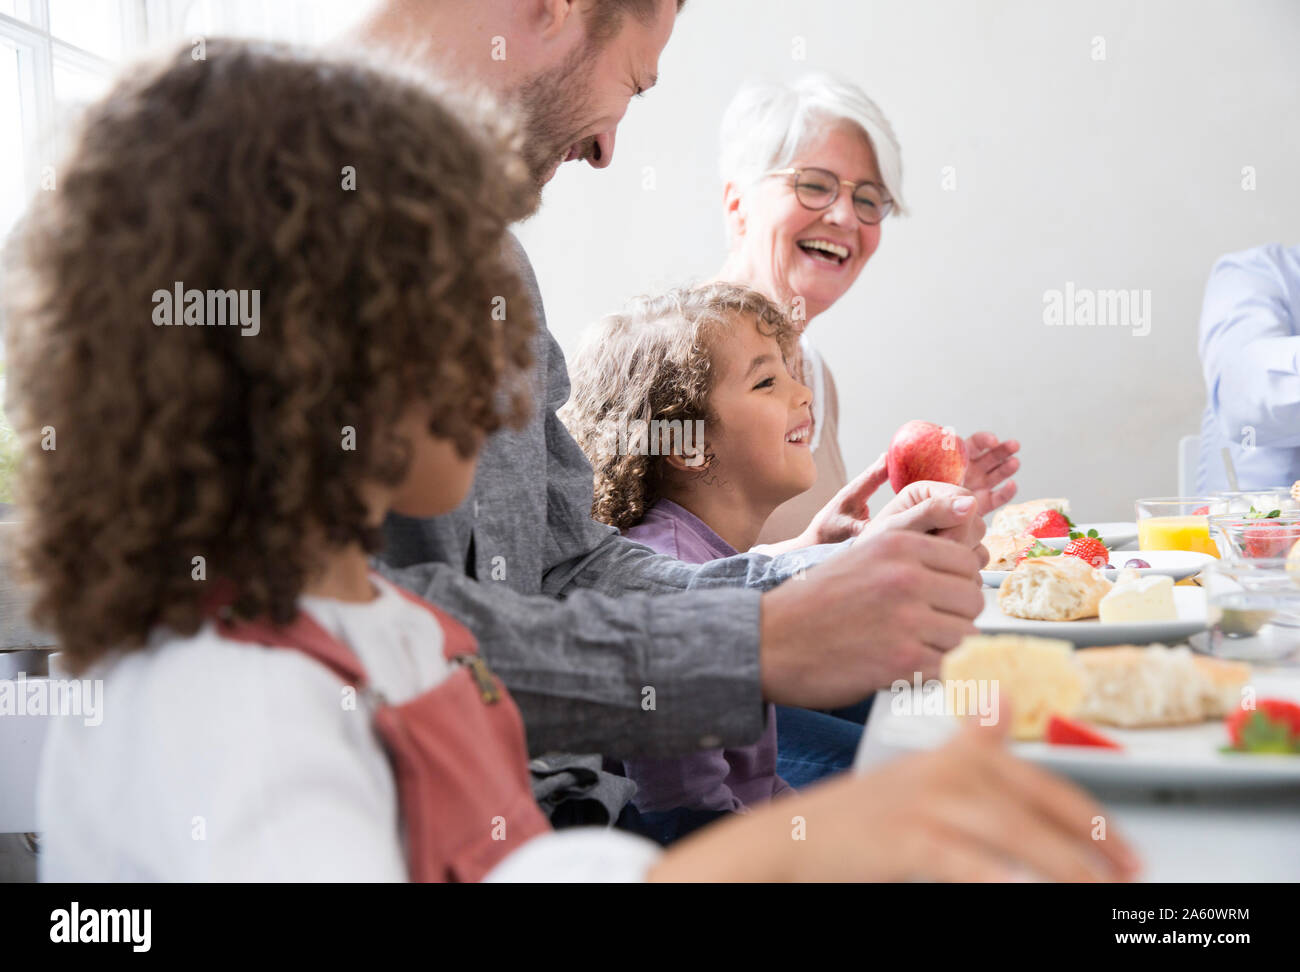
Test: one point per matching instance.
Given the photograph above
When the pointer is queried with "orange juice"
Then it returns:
(1176, 533)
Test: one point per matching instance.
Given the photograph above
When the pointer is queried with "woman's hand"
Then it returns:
(968, 811)
(992, 464)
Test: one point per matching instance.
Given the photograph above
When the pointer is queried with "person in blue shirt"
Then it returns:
(1250, 356)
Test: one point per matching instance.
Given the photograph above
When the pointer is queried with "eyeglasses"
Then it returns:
(818, 189)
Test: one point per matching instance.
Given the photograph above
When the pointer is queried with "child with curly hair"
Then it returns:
(200, 500)
(686, 406)
(246, 361)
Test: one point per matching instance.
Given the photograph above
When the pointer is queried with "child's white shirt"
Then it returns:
(218, 760)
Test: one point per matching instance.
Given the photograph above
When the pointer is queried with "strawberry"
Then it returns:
(1273, 726)
(1089, 548)
(1066, 732)
(1268, 541)
(1050, 523)
(1201, 511)
(1037, 550)
(1269, 538)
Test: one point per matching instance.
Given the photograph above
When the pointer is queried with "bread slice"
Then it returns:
(1016, 517)
(1129, 686)
(1034, 677)
(1059, 588)
(1145, 687)
(1003, 549)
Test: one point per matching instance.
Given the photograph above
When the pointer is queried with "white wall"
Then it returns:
(1117, 173)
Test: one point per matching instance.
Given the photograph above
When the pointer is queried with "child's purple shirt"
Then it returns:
(713, 779)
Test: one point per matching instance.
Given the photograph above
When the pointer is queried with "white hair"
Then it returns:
(766, 125)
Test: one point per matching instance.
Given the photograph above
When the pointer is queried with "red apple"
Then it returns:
(923, 450)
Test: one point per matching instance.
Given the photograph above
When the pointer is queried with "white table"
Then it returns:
(1238, 834)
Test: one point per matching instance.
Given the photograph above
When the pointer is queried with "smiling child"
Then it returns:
(717, 355)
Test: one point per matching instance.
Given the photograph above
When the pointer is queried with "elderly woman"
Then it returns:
(811, 170)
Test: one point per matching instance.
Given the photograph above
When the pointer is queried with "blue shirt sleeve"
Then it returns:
(1249, 346)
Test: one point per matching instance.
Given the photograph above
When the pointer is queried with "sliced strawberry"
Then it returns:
(1066, 732)
(1089, 548)
(1050, 523)
(1273, 726)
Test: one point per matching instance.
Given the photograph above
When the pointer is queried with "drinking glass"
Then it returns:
(1178, 523)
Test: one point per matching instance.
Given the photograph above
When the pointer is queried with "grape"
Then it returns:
(1136, 562)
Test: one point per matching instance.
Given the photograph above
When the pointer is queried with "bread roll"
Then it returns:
(1035, 677)
(1056, 588)
(1016, 517)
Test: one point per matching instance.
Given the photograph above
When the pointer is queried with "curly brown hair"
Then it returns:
(369, 214)
(654, 362)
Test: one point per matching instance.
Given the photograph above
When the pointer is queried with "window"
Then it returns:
(56, 56)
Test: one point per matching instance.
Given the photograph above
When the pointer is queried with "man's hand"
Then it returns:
(992, 464)
(940, 509)
(887, 607)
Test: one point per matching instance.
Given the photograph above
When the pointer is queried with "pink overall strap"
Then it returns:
(302, 633)
(458, 751)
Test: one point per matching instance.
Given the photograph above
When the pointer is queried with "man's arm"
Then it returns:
(596, 663)
(639, 675)
(616, 566)
(1250, 351)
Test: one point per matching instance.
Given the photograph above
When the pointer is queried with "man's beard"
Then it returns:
(553, 105)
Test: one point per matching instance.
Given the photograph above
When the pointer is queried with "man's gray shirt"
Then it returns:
(605, 645)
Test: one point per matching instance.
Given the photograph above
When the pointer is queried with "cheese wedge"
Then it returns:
(1137, 598)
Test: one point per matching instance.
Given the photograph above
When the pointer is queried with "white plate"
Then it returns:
(1188, 756)
(1111, 534)
(1189, 602)
(1175, 563)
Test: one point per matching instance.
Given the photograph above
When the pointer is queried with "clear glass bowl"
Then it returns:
(1272, 498)
(1253, 608)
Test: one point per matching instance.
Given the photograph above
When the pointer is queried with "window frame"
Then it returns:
(38, 52)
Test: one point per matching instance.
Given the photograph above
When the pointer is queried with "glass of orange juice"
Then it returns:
(1178, 523)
